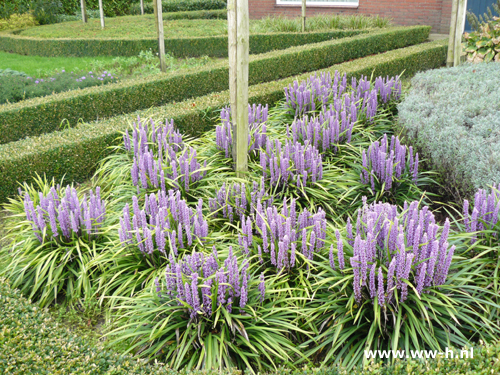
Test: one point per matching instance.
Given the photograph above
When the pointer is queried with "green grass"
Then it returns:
(44, 66)
(136, 27)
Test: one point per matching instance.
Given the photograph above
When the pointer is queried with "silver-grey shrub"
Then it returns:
(452, 115)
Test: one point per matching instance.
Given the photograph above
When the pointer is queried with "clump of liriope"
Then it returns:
(484, 217)
(209, 313)
(234, 201)
(257, 131)
(394, 284)
(166, 225)
(54, 235)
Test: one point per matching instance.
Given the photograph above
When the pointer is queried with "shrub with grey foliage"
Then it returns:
(453, 117)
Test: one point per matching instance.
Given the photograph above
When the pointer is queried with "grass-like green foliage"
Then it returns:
(30, 334)
(76, 152)
(45, 115)
(454, 128)
(45, 66)
(48, 267)
(451, 314)
(17, 21)
(16, 88)
(160, 325)
(181, 6)
(318, 22)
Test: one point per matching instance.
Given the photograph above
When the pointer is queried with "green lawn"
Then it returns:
(42, 66)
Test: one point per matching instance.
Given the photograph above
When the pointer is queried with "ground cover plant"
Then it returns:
(279, 269)
(471, 161)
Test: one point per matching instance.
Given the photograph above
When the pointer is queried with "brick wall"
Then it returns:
(435, 13)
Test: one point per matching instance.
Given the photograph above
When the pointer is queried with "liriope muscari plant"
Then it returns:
(166, 223)
(257, 131)
(61, 215)
(389, 248)
(384, 165)
(485, 214)
(285, 238)
(291, 164)
(393, 282)
(160, 158)
(317, 92)
(208, 313)
(54, 241)
(233, 201)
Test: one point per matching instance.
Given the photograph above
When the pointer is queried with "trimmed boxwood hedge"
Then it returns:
(214, 46)
(75, 152)
(45, 115)
(32, 342)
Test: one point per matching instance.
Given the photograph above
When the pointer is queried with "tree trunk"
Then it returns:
(142, 7)
(458, 32)
(303, 16)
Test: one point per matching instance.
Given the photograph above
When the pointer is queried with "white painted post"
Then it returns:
(451, 40)
(303, 16)
(101, 13)
(459, 31)
(161, 37)
(142, 7)
(238, 51)
(84, 11)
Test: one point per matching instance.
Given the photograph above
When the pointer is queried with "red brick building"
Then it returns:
(435, 13)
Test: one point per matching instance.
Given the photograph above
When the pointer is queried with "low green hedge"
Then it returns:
(180, 6)
(32, 342)
(220, 14)
(44, 115)
(215, 46)
(75, 152)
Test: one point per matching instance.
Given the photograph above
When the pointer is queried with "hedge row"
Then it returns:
(220, 14)
(75, 152)
(45, 115)
(215, 46)
(180, 6)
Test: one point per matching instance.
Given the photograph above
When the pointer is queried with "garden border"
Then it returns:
(75, 152)
(44, 115)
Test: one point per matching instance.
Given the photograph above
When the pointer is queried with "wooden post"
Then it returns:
(155, 8)
(142, 7)
(238, 49)
(303, 16)
(232, 53)
(84, 11)
(458, 32)
(101, 13)
(451, 40)
(161, 37)
(243, 38)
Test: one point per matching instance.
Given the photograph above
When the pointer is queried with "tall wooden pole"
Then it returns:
(84, 11)
(142, 7)
(238, 49)
(161, 37)
(451, 40)
(101, 13)
(232, 54)
(303, 16)
(155, 8)
(243, 37)
(458, 32)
